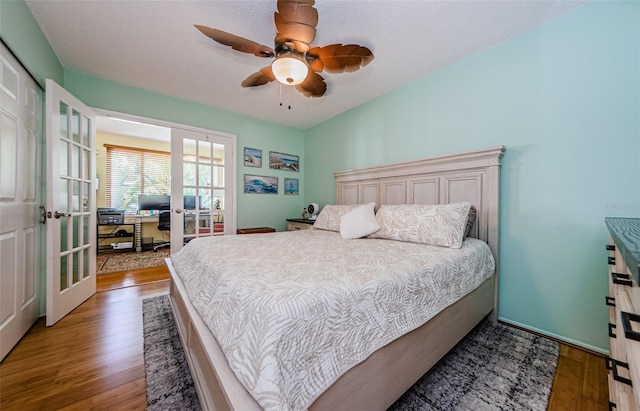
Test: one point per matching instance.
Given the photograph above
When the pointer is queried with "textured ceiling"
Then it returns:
(153, 45)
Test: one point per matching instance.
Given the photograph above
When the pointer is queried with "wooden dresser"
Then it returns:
(623, 300)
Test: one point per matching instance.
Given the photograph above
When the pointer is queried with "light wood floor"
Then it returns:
(93, 358)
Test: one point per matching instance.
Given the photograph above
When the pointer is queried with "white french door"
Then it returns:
(71, 196)
(202, 185)
(20, 177)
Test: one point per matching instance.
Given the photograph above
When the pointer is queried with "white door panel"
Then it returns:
(71, 217)
(20, 153)
(203, 169)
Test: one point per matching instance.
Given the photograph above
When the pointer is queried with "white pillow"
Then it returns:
(329, 217)
(359, 222)
(438, 224)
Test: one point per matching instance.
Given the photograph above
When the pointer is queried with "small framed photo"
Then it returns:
(252, 157)
(281, 161)
(291, 186)
(260, 184)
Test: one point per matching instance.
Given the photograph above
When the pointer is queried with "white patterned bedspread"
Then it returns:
(293, 311)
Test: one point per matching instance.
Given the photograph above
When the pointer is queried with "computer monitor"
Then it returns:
(190, 202)
(154, 202)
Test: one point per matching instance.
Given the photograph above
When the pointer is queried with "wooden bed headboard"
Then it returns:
(472, 176)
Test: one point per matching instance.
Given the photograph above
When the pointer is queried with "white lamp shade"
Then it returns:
(289, 70)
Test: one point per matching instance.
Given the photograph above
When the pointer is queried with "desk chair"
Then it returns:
(164, 224)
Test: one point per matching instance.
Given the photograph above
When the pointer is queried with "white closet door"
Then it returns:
(20, 159)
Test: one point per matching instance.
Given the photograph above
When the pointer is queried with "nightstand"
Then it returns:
(299, 224)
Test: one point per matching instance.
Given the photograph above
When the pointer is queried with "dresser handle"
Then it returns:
(610, 247)
(611, 260)
(622, 279)
(626, 325)
(611, 327)
(612, 365)
(610, 301)
(612, 405)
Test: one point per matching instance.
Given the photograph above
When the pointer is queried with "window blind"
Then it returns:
(131, 172)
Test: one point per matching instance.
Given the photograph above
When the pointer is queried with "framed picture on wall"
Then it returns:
(291, 186)
(260, 184)
(252, 157)
(281, 161)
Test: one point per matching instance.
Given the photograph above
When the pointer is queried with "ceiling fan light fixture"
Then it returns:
(290, 69)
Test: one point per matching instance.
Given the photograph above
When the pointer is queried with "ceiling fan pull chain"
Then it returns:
(286, 97)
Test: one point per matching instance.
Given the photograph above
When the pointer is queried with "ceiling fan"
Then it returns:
(295, 62)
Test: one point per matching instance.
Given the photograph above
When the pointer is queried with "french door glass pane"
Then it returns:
(64, 198)
(64, 234)
(76, 196)
(85, 265)
(85, 131)
(218, 176)
(76, 267)
(204, 175)
(64, 157)
(85, 198)
(188, 149)
(218, 154)
(85, 229)
(75, 124)
(85, 164)
(205, 198)
(64, 126)
(189, 174)
(204, 152)
(63, 273)
(75, 221)
(75, 161)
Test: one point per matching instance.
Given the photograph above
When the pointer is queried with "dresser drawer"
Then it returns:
(293, 226)
(624, 332)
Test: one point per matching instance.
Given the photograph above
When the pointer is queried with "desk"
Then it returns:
(206, 221)
(137, 220)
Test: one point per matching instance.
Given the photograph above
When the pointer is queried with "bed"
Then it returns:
(381, 371)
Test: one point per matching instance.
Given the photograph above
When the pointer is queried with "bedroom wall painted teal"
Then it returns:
(564, 100)
(253, 209)
(20, 31)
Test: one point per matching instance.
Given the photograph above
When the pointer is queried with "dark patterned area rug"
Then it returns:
(126, 261)
(169, 383)
(495, 367)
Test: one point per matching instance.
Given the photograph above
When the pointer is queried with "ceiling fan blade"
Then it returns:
(236, 42)
(263, 76)
(296, 22)
(338, 58)
(312, 86)
(292, 11)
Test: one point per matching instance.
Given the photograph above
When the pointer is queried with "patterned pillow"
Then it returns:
(470, 221)
(359, 222)
(439, 224)
(329, 217)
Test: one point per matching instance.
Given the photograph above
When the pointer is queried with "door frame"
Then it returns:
(169, 124)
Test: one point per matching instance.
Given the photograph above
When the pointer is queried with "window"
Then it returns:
(131, 172)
